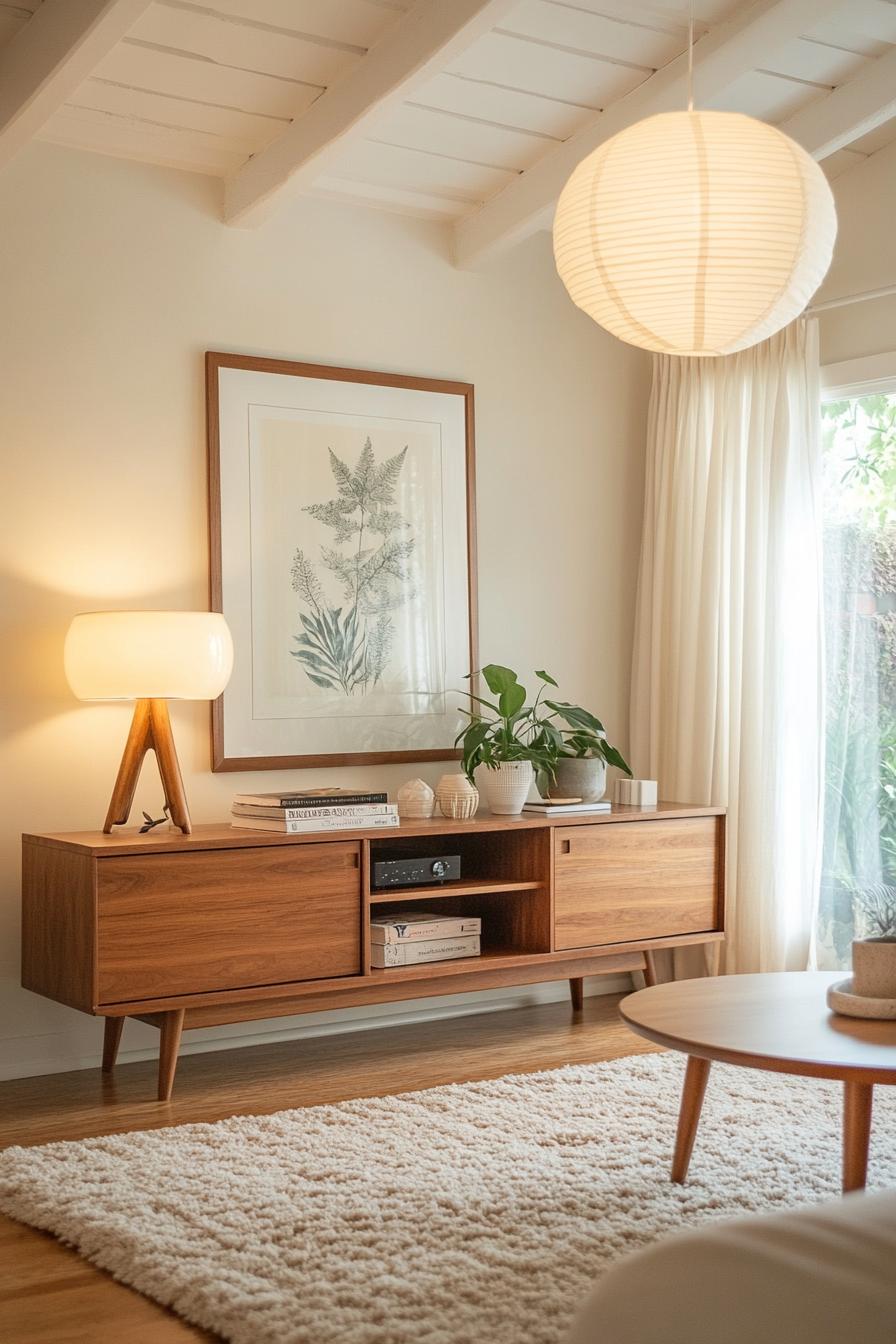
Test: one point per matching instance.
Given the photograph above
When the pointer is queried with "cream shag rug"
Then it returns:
(479, 1212)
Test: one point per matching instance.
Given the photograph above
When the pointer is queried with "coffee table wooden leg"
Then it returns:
(695, 1080)
(856, 1134)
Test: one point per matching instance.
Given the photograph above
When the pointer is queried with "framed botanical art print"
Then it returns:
(342, 556)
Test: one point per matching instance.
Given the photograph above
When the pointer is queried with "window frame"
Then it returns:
(861, 377)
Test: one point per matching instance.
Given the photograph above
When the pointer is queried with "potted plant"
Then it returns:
(581, 768)
(517, 742)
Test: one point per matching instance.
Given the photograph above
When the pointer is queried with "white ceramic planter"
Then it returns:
(507, 787)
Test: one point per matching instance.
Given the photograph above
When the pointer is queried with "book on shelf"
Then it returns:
(303, 825)
(416, 925)
(331, 810)
(559, 809)
(321, 797)
(383, 955)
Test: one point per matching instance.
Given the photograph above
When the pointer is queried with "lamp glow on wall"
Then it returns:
(151, 657)
(695, 233)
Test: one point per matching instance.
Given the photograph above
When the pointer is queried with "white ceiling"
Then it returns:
(209, 85)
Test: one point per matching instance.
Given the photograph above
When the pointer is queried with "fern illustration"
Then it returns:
(346, 648)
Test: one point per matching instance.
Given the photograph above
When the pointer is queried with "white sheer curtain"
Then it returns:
(727, 701)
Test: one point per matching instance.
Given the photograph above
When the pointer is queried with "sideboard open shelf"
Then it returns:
(230, 925)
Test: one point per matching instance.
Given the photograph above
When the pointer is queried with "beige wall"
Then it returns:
(864, 259)
(114, 280)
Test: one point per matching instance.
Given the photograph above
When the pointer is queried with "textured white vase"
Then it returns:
(416, 800)
(507, 787)
(457, 797)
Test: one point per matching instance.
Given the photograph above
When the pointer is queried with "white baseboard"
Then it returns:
(34, 1056)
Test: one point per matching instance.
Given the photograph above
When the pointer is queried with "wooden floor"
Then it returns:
(48, 1294)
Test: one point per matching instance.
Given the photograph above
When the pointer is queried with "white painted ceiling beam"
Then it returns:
(728, 51)
(851, 111)
(50, 57)
(412, 51)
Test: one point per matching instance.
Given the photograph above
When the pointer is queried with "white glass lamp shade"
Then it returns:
(695, 233)
(153, 655)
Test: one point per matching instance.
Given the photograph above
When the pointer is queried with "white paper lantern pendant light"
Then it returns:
(695, 233)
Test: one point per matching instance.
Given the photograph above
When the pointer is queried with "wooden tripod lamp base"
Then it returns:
(150, 731)
(151, 657)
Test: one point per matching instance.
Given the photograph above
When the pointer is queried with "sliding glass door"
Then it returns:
(858, 887)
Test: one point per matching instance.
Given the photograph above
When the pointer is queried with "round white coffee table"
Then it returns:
(779, 1022)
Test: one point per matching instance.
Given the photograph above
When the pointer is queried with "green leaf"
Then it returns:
(475, 735)
(581, 744)
(546, 677)
(613, 757)
(576, 717)
(511, 700)
(498, 678)
(479, 700)
(477, 718)
(552, 735)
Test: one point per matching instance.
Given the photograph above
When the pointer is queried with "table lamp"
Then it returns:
(150, 657)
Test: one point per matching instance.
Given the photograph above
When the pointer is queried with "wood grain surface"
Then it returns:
(777, 1021)
(186, 923)
(224, 926)
(618, 883)
(58, 925)
(221, 835)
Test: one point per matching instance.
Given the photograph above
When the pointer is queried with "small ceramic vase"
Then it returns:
(457, 797)
(507, 787)
(416, 800)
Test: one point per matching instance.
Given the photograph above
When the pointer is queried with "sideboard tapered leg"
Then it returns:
(577, 993)
(111, 1041)
(172, 1026)
(712, 955)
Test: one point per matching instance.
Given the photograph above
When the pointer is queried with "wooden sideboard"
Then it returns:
(227, 925)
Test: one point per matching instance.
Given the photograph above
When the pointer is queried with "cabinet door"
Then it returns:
(618, 882)
(226, 919)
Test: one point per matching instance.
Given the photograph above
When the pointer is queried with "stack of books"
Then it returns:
(411, 938)
(321, 809)
(559, 807)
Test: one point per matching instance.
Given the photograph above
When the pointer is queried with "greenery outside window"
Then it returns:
(858, 886)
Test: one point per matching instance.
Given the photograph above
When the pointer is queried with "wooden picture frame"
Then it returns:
(299, 406)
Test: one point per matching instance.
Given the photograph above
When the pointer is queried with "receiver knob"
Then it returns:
(439, 868)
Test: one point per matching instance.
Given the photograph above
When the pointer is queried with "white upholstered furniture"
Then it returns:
(822, 1275)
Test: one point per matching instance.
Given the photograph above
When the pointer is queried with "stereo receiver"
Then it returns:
(415, 870)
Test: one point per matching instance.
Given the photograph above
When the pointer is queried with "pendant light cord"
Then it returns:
(691, 57)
